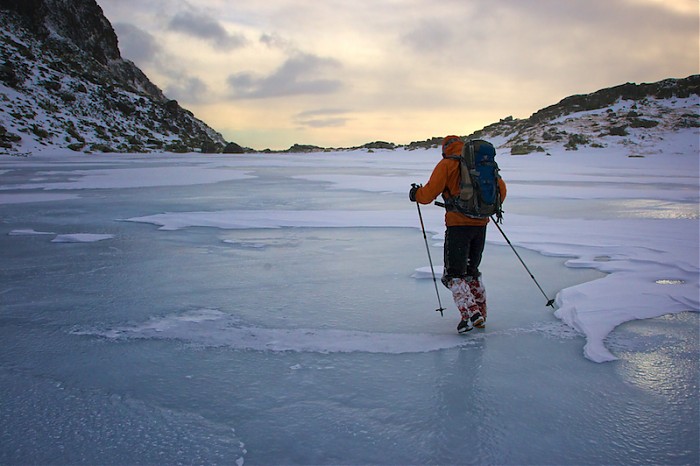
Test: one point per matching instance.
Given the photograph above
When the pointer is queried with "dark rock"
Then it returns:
(379, 145)
(233, 148)
(618, 131)
(303, 148)
(643, 123)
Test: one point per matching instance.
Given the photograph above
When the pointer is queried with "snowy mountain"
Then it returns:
(630, 114)
(63, 83)
(637, 116)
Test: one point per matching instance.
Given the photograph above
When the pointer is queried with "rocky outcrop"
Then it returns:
(589, 119)
(63, 83)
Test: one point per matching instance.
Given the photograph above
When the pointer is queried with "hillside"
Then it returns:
(63, 83)
(628, 114)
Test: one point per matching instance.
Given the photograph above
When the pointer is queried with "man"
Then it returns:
(465, 237)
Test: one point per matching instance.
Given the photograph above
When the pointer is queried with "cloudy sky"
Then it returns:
(339, 73)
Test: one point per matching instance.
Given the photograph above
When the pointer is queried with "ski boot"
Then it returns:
(464, 326)
(471, 318)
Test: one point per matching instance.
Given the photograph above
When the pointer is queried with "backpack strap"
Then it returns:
(458, 158)
(466, 188)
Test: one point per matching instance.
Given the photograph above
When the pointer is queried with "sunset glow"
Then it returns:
(339, 74)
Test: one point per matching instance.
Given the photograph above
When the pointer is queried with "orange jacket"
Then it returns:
(445, 179)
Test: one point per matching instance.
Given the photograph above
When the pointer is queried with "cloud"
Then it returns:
(322, 118)
(275, 41)
(298, 75)
(527, 54)
(428, 36)
(136, 44)
(402, 73)
(142, 48)
(188, 89)
(205, 27)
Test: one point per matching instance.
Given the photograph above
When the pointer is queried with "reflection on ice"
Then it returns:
(650, 208)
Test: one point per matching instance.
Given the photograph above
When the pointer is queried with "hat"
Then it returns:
(452, 145)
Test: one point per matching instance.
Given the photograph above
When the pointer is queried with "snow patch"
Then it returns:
(29, 232)
(81, 238)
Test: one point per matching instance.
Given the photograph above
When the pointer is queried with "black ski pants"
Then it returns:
(464, 246)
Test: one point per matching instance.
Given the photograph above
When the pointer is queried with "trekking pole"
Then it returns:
(550, 302)
(427, 248)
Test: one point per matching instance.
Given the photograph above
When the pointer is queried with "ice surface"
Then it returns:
(634, 260)
(279, 310)
(131, 178)
(638, 251)
(23, 198)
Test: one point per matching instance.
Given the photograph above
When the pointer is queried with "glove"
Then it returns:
(412, 192)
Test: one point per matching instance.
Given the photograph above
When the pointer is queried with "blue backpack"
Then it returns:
(479, 194)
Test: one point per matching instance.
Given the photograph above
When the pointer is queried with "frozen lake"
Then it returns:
(264, 310)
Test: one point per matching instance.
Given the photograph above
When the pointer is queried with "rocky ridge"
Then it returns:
(625, 114)
(63, 83)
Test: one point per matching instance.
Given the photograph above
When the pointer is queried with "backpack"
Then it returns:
(479, 193)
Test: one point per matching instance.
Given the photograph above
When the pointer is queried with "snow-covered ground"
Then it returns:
(281, 306)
